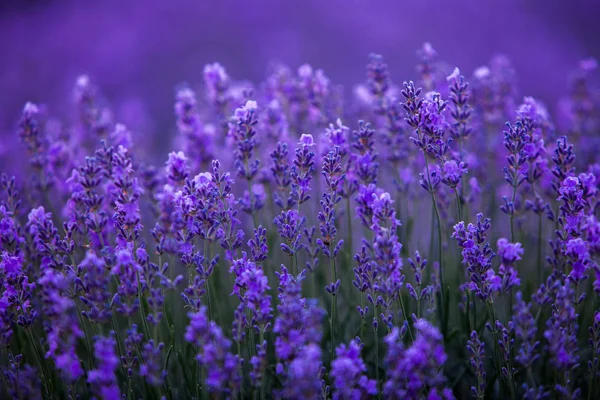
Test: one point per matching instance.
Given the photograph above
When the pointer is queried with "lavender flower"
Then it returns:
(477, 255)
(220, 365)
(103, 378)
(525, 331)
(477, 352)
(302, 372)
(412, 369)
(198, 139)
(348, 373)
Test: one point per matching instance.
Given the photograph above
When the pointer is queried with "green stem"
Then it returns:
(591, 381)
(458, 206)
(439, 222)
(362, 319)
(87, 339)
(43, 370)
(350, 234)
(539, 251)
(263, 394)
(412, 339)
(376, 330)
(512, 216)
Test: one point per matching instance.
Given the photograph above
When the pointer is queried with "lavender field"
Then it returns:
(421, 228)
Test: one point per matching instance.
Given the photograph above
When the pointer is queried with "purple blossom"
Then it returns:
(452, 173)
(525, 332)
(64, 331)
(221, 366)
(22, 379)
(348, 373)
(477, 256)
(302, 372)
(103, 378)
(152, 366)
(411, 369)
(476, 358)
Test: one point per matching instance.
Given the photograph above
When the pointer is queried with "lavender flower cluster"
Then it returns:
(435, 239)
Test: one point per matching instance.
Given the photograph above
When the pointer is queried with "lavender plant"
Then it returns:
(266, 257)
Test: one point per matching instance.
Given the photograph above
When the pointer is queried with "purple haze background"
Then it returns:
(142, 49)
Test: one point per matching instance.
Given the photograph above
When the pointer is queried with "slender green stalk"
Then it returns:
(43, 370)
(444, 318)
(539, 251)
(263, 394)
(591, 381)
(512, 216)
(412, 339)
(458, 206)
(376, 330)
(87, 339)
(362, 318)
(350, 233)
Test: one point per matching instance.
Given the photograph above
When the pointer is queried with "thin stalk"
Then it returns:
(349, 220)
(263, 394)
(43, 370)
(207, 260)
(539, 251)
(87, 339)
(362, 318)
(412, 339)
(376, 330)
(117, 336)
(591, 381)
(512, 215)
(458, 206)
(439, 222)
(252, 213)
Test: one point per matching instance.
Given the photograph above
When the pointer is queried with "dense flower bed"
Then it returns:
(430, 240)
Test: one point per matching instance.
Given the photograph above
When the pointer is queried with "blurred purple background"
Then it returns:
(144, 48)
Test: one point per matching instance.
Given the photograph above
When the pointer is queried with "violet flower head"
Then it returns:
(416, 367)
(563, 159)
(221, 366)
(348, 372)
(22, 379)
(94, 286)
(477, 255)
(364, 161)
(298, 321)
(258, 245)
(103, 378)
(460, 110)
(281, 173)
(152, 367)
(515, 137)
(256, 298)
(289, 227)
(302, 372)
(242, 130)
(32, 134)
(197, 138)
(177, 168)
(476, 350)
(365, 199)
(386, 247)
(452, 173)
(561, 331)
(64, 330)
(427, 65)
(302, 169)
(332, 171)
(217, 85)
(525, 332)
(378, 78)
